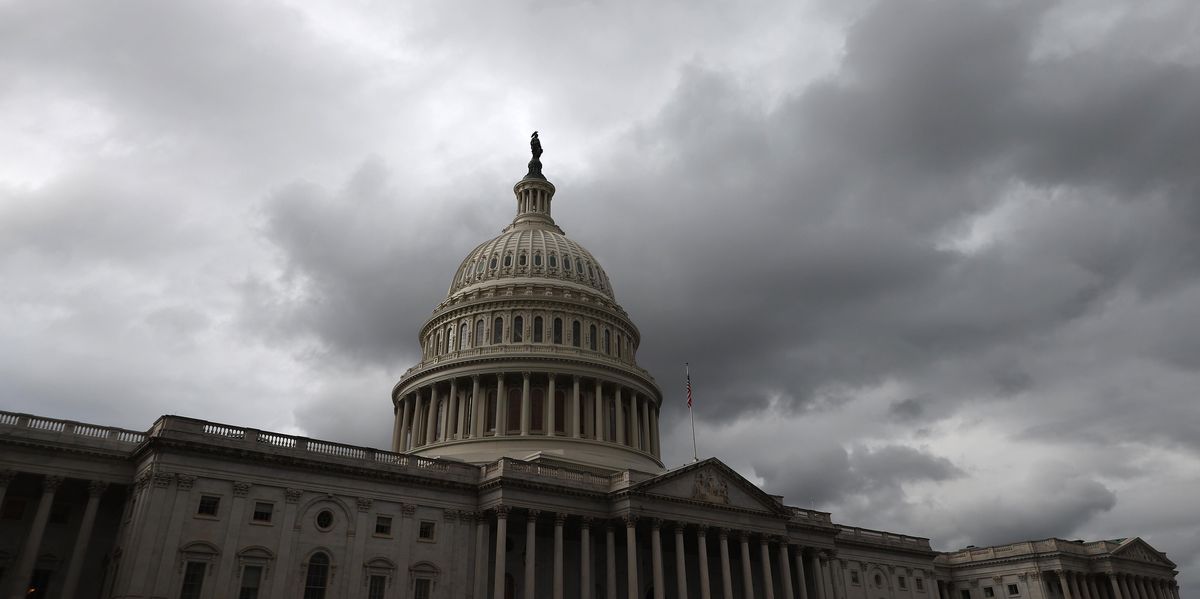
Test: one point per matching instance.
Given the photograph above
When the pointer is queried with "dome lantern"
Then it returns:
(534, 192)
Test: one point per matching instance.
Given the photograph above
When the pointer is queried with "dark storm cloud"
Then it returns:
(808, 242)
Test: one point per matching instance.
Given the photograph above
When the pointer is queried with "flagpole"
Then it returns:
(688, 372)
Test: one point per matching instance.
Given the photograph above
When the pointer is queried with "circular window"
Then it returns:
(324, 519)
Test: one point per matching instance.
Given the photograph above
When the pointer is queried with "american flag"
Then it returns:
(689, 389)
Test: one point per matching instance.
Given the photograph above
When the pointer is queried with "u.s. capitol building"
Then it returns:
(525, 462)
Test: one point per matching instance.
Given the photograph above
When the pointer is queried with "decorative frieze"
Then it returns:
(241, 489)
(292, 495)
(364, 504)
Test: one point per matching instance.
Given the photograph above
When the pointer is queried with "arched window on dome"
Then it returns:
(553, 260)
(438, 347)
(567, 263)
(560, 411)
(450, 339)
(558, 331)
(619, 353)
(492, 264)
(498, 331)
(592, 337)
(316, 576)
(537, 410)
(608, 342)
(479, 265)
(579, 266)
(537, 329)
(537, 259)
(507, 260)
(463, 336)
(591, 273)
(518, 332)
(479, 332)
(512, 414)
(522, 260)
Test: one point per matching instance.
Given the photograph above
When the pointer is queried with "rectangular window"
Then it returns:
(920, 584)
(422, 588)
(427, 531)
(208, 505)
(14, 508)
(376, 586)
(193, 579)
(854, 577)
(989, 592)
(1013, 590)
(251, 578)
(60, 513)
(965, 594)
(383, 525)
(903, 582)
(263, 511)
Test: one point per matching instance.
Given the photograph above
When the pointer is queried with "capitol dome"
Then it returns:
(529, 356)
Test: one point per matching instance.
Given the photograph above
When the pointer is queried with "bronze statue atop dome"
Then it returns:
(535, 165)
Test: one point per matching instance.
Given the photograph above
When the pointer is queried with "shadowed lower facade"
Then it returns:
(525, 463)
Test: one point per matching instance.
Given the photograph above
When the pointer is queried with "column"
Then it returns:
(481, 555)
(726, 574)
(768, 583)
(817, 575)
(525, 407)
(33, 542)
(79, 553)
(478, 409)
(646, 426)
(406, 406)
(1066, 586)
(747, 572)
(631, 554)
(802, 584)
(463, 408)
(552, 408)
(1116, 589)
(530, 582)
(501, 535)
(1126, 587)
(585, 558)
(431, 416)
(785, 569)
(620, 416)
(397, 424)
(575, 413)
(559, 519)
(610, 556)
(1076, 588)
(1093, 590)
(6, 477)
(635, 429)
(702, 554)
(680, 562)
(600, 423)
(501, 406)
(656, 558)
(1141, 586)
(452, 412)
(654, 431)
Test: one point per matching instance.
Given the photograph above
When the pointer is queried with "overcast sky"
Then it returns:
(935, 264)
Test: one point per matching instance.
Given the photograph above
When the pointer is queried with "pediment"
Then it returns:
(1138, 550)
(710, 482)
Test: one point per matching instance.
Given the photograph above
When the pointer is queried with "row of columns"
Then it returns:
(448, 411)
(1115, 585)
(27, 558)
(808, 562)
